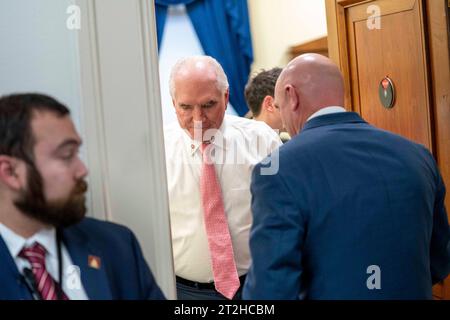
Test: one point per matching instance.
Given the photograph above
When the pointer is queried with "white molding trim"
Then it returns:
(92, 110)
(121, 105)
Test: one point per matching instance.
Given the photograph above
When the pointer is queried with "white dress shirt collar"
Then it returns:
(327, 110)
(217, 140)
(15, 243)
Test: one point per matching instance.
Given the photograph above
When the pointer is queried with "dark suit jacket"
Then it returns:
(348, 196)
(123, 272)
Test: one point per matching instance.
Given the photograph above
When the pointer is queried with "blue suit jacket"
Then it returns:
(123, 273)
(347, 197)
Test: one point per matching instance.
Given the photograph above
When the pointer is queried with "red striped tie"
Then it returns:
(226, 278)
(44, 282)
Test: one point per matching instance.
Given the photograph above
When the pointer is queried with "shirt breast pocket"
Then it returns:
(239, 212)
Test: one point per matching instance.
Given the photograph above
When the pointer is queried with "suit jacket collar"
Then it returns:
(10, 277)
(94, 280)
(333, 118)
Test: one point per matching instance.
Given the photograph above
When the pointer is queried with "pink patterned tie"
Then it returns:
(44, 282)
(226, 278)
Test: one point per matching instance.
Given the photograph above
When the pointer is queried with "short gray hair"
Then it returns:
(222, 80)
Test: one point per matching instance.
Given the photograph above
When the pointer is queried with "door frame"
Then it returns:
(123, 127)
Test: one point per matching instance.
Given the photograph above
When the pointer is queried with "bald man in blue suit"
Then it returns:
(354, 212)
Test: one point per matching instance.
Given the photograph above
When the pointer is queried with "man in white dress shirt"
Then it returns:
(199, 89)
(48, 249)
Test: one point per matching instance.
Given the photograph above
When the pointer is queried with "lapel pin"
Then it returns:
(94, 262)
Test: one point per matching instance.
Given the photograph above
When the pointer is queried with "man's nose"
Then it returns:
(198, 114)
(82, 170)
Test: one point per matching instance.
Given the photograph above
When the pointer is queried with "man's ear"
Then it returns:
(227, 98)
(292, 96)
(268, 104)
(12, 172)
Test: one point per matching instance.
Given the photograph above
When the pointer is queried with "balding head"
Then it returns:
(198, 67)
(309, 83)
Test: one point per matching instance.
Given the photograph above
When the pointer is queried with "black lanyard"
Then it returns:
(59, 286)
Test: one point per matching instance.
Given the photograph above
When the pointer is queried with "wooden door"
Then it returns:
(406, 40)
(394, 48)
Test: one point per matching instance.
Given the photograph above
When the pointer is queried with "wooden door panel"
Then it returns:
(397, 50)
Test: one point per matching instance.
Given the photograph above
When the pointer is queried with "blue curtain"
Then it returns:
(223, 29)
(161, 13)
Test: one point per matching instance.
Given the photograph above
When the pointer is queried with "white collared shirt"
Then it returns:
(72, 287)
(327, 110)
(239, 144)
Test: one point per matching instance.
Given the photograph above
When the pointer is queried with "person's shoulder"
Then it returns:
(424, 154)
(171, 129)
(173, 136)
(102, 229)
(250, 126)
(171, 126)
(403, 142)
(244, 123)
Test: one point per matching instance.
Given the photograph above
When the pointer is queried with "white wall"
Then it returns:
(277, 25)
(38, 52)
(123, 120)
